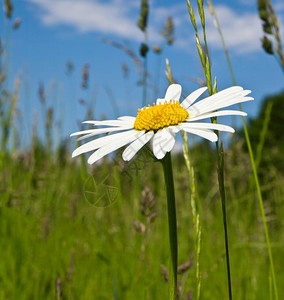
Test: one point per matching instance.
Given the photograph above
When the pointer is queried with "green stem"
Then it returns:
(195, 214)
(169, 181)
(223, 201)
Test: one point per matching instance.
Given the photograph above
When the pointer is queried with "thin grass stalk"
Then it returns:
(169, 182)
(270, 287)
(142, 24)
(197, 254)
(7, 119)
(196, 223)
(223, 201)
(263, 134)
(207, 67)
(145, 72)
(212, 89)
(253, 161)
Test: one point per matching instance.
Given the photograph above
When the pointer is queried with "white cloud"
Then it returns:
(242, 31)
(109, 17)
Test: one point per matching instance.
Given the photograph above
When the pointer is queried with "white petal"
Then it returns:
(85, 132)
(122, 123)
(113, 146)
(175, 129)
(101, 142)
(160, 101)
(156, 144)
(219, 127)
(92, 132)
(173, 92)
(135, 146)
(218, 113)
(205, 133)
(167, 141)
(127, 118)
(192, 97)
(222, 99)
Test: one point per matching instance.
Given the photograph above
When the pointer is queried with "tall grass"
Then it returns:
(254, 162)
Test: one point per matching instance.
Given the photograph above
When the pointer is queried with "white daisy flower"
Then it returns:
(159, 123)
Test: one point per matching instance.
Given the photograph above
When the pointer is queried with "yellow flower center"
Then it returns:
(159, 116)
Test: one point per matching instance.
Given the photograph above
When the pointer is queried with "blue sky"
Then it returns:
(53, 32)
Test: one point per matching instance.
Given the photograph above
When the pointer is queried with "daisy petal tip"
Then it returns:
(88, 122)
(92, 160)
(74, 133)
(125, 158)
(74, 154)
(160, 155)
(173, 92)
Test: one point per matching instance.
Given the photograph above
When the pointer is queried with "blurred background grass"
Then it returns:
(71, 231)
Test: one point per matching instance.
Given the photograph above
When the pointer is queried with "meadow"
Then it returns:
(69, 230)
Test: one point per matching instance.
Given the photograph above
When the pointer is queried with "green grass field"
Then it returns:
(70, 234)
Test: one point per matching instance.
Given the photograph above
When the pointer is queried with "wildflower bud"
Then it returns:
(261, 5)
(143, 18)
(147, 204)
(157, 49)
(191, 13)
(267, 28)
(17, 23)
(152, 216)
(168, 31)
(143, 50)
(267, 45)
(201, 12)
(200, 51)
(8, 8)
(139, 226)
(263, 15)
(171, 41)
(58, 288)
(184, 267)
(85, 76)
(165, 273)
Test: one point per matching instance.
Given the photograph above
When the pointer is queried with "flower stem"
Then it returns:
(168, 174)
